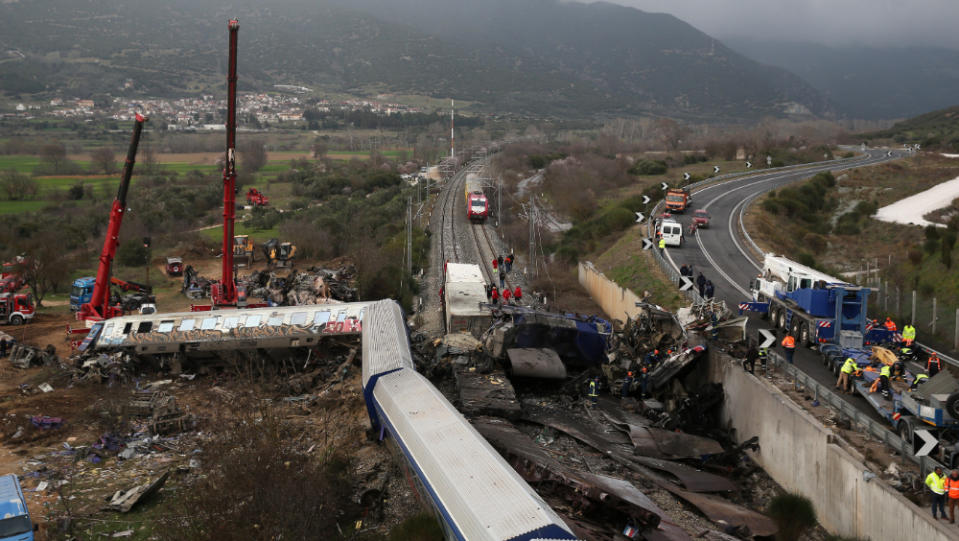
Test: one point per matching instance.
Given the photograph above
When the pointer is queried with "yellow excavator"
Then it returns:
(279, 254)
(243, 250)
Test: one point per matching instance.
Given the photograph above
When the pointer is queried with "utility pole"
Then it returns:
(452, 133)
(409, 236)
(532, 239)
(499, 199)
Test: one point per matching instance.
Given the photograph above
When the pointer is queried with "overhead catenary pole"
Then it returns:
(452, 133)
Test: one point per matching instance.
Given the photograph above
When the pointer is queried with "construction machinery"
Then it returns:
(83, 288)
(256, 198)
(279, 254)
(99, 307)
(224, 292)
(243, 251)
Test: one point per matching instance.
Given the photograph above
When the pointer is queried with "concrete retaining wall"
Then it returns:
(616, 301)
(803, 456)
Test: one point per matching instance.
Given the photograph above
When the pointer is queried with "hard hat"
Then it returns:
(630, 374)
(656, 351)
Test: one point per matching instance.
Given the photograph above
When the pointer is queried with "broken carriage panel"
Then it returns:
(578, 340)
(228, 330)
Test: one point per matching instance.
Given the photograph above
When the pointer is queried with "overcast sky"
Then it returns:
(867, 22)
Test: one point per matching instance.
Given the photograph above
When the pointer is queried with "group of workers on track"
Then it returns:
(502, 293)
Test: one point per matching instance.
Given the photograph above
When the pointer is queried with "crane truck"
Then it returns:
(99, 306)
(224, 292)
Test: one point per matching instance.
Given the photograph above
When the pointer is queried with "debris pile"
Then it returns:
(313, 286)
(24, 356)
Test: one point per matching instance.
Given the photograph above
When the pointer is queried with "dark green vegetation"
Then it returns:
(865, 82)
(935, 130)
(523, 56)
(794, 514)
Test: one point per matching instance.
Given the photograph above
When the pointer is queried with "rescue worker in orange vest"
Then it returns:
(936, 482)
(933, 364)
(789, 346)
(890, 324)
(627, 384)
(951, 487)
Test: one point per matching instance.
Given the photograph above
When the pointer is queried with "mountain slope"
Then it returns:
(538, 56)
(864, 82)
(935, 130)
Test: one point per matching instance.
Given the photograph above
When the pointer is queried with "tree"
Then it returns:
(671, 133)
(253, 155)
(17, 186)
(43, 269)
(54, 156)
(104, 159)
(320, 148)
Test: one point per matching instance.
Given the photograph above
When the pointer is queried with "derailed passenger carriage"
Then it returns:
(475, 494)
(203, 334)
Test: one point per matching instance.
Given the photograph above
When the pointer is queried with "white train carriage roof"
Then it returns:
(385, 342)
(228, 324)
(477, 490)
(465, 290)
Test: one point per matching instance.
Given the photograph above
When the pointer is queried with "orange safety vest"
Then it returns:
(890, 326)
(952, 488)
(934, 358)
(789, 342)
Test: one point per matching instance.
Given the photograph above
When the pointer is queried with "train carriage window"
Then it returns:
(341, 317)
(208, 323)
(252, 321)
(165, 326)
(230, 322)
(275, 320)
(321, 318)
(298, 318)
(145, 326)
(107, 329)
(187, 325)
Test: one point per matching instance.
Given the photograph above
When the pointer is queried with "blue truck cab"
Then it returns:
(82, 292)
(15, 523)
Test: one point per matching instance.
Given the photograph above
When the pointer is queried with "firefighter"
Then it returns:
(593, 394)
(495, 295)
(845, 375)
(518, 294)
(495, 263)
(506, 295)
(917, 381)
(789, 347)
(933, 364)
(908, 334)
(627, 384)
(662, 244)
(763, 357)
(643, 381)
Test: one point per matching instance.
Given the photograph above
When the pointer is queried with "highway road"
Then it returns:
(723, 255)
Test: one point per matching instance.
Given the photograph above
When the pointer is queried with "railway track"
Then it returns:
(448, 244)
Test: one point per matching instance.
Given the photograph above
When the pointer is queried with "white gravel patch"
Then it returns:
(950, 155)
(912, 209)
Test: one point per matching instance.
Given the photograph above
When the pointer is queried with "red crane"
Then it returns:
(99, 306)
(224, 292)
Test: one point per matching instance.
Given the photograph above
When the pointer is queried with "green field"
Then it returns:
(258, 235)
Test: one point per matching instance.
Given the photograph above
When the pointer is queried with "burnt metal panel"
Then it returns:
(536, 363)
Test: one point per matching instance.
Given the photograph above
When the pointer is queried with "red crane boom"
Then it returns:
(224, 293)
(99, 306)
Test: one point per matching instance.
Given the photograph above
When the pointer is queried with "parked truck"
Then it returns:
(813, 307)
(678, 199)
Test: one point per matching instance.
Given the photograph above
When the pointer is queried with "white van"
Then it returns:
(672, 232)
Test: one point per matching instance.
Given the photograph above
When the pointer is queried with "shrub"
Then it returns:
(132, 253)
(648, 167)
(75, 192)
(793, 514)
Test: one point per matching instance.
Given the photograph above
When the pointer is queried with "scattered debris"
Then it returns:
(24, 356)
(124, 500)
